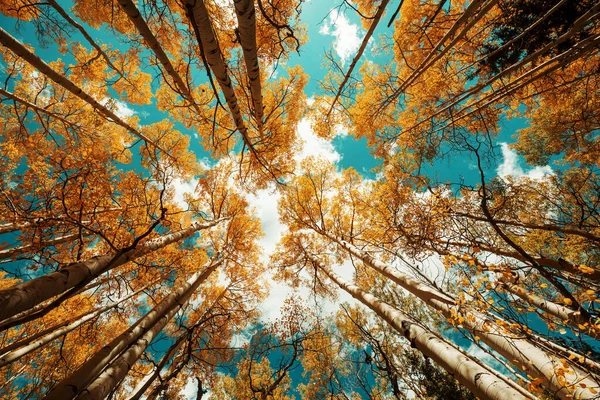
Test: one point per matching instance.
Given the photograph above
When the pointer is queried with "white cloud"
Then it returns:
(265, 203)
(314, 145)
(180, 188)
(190, 390)
(510, 166)
(347, 40)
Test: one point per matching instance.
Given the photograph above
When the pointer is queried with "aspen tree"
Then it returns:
(28, 294)
(89, 380)
(482, 381)
(18, 349)
(246, 16)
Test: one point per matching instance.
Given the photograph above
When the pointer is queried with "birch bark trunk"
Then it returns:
(17, 251)
(28, 294)
(484, 383)
(145, 383)
(556, 310)
(215, 60)
(514, 348)
(138, 21)
(246, 17)
(15, 351)
(122, 352)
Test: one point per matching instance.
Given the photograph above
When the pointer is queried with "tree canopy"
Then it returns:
(185, 210)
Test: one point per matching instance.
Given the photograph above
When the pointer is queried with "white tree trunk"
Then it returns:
(28, 294)
(15, 351)
(565, 314)
(246, 17)
(481, 381)
(17, 251)
(136, 18)
(214, 58)
(513, 347)
(127, 347)
(147, 381)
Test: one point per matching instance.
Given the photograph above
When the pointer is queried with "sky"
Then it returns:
(327, 28)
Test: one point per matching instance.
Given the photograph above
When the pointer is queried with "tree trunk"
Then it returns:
(246, 17)
(45, 307)
(435, 53)
(87, 36)
(359, 53)
(16, 350)
(481, 381)
(44, 221)
(28, 294)
(565, 314)
(128, 347)
(19, 49)
(136, 18)
(17, 251)
(215, 60)
(515, 349)
(147, 381)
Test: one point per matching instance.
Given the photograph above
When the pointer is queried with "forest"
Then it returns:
(299, 199)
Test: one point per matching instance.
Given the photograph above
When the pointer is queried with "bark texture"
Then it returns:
(565, 314)
(17, 251)
(519, 351)
(145, 383)
(246, 17)
(138, 21)
(215, 60)
(481, 381)
(16, 350)
(122, 352)
(28, 294)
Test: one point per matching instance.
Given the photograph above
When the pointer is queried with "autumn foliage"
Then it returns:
(114, 284)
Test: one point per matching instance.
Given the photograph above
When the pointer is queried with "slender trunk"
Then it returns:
(37, 108)
(565, 314)
(246, 17)
(45, 221)
(481, 381)
(172, 371)
(514, 348)
(433, 55)
(560, 264)
(19, 49)
(16, 350)
(28, 294)
(215, 60)
(126, 348)
(587, 45)
(45, 307)
(17, 251)
(544, 227)
(90, 40)
(361, 49)
(147, 381)
(152, 42)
